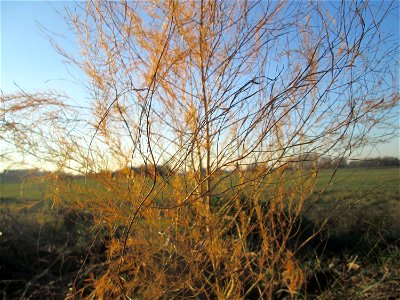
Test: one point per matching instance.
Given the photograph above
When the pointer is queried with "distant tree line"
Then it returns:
(313, 160)
(326, 162)
(378, 162)
(307, 161)
(20, 174)
(144, 170)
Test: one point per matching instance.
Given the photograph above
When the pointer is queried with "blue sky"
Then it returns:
(27, 57)
(29, 60)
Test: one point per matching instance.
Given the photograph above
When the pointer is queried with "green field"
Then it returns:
(362, 207)
(370, 184)
(27, 190)
(352, 198)
(358, 201)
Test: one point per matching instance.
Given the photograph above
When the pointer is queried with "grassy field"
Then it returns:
(362, 207)
(27, 190)
(370, 184)
(358, 199)
(353, 197)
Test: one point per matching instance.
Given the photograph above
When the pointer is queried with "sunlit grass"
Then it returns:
(372, 184)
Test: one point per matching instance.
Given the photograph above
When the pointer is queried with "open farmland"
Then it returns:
(349, 197)
(358, 199)
(361, 208)
(337, 184)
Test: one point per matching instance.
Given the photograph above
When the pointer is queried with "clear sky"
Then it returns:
(27, 57)
(29, 60)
